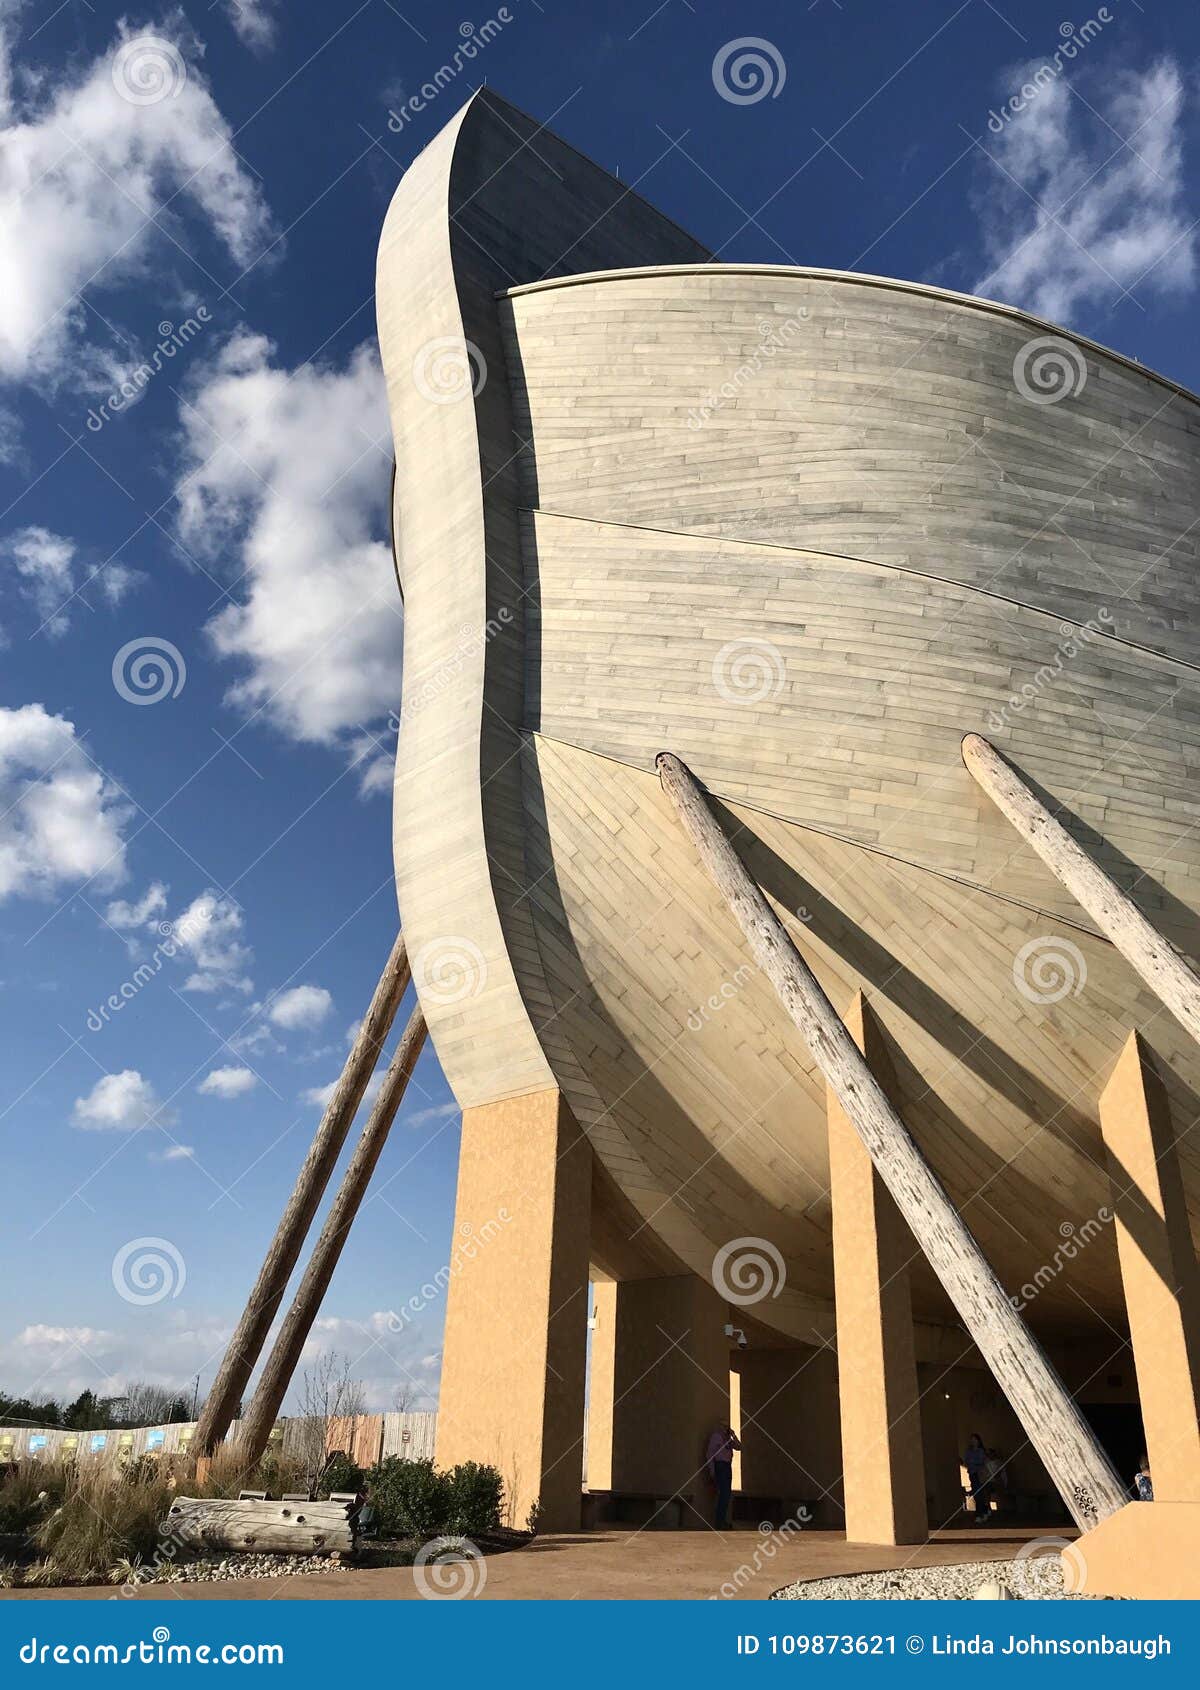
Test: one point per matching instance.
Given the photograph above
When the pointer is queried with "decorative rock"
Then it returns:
(957, 1583)
(993, 1591)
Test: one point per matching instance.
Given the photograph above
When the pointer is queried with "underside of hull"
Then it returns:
(806, 531)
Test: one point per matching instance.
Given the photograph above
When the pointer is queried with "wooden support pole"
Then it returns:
(1053, 1424)
(1168, 974)
(246, 1344)
(306, 1305)
(1158, 1269)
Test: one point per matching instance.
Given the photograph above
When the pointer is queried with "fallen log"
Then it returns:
(289, 1528)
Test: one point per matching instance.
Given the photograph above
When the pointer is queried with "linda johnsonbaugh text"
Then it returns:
(842, 1643)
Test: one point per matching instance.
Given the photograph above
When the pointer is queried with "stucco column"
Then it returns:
(1158, 1269)
(512, 1389)
(883, 1462)
(659, 1385)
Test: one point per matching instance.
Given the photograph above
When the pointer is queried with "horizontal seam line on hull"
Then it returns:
(866, 563)
(919, 290)
(842, 838)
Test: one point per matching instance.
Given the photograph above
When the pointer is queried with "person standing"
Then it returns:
(974, 1459)
(719, 1457)
(1143, 1484)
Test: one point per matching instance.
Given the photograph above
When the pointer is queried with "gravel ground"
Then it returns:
(1037, 1579)
(245, 1567)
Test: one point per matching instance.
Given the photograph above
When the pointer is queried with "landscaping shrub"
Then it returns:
(103, 1518)
(476, 1499)
(409, 1498)
(21, 1504)
(341, 1474)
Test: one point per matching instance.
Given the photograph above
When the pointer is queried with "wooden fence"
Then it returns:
(365, 1437)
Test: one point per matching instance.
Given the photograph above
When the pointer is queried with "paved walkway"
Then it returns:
(611, 1564)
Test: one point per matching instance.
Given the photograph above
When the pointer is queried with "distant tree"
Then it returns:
(148, 1405)
(85, 1413)
(180, 1412)
(22, 1411)
(327, 1392)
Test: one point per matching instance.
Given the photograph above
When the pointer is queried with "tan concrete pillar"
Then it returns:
(659, 1385)
(516, 1307)
(1158, 1269)
(883, 1462)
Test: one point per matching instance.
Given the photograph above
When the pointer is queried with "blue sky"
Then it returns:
(200, 638)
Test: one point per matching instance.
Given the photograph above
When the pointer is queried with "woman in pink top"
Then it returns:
(719, 1457)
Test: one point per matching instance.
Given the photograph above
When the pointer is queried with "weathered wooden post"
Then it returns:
(1168, 974)
(1052, 1422)
(293, 1334)
(246, 1344)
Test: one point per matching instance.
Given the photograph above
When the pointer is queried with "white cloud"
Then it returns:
(1107, 217)
(228, 1082)
(53, 1337)
(42, 562)
(60, 819)
(121, 1103)
(10, 436)
(288, 472)
(422, 1117)
(209, 930)
(85, 172)
(176, 1153)
(302, 1006)
(254, 21)
(44, 567)
(319, 1096)
(125, 916)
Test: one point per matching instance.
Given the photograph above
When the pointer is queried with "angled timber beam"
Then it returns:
(293, 1334)
(246, 1344)
(1167, 973)
(1053, 1424)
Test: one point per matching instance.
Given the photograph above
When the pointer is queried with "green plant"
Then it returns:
(22, 1495)
(409, 1498)
(476, 1496)
(103, 1518)
(341, 1474)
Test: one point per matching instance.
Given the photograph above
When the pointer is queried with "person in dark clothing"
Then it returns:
(719, 1457)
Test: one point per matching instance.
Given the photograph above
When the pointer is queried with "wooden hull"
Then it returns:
(809, 571)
